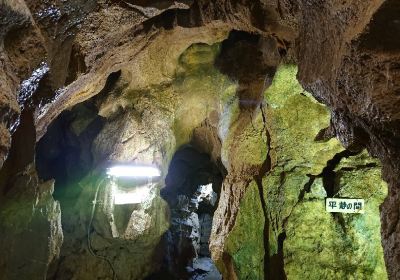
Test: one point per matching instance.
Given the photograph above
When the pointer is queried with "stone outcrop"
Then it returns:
(281, 214)
(300, 180)
(30, 227)
(143, 126)
(138, 61)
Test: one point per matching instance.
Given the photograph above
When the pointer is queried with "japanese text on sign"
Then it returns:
(345, 205)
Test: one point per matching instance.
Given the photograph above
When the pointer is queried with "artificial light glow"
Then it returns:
(133, 171)
(135, 196)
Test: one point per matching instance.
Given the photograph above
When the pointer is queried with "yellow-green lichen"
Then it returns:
(294, 119)
(201, 89)
(246, 142)
(318, 244)
(346, 245)
(245, 243)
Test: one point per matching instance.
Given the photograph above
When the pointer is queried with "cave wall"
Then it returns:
(57, 54)
(357, 82)
(305, 176)
(30, 227)
(281, 223)
(143, 126)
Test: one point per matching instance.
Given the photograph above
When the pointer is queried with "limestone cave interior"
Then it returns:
(199, 140)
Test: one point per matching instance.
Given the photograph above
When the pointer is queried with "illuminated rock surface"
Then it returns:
(278, 104)
(347, 245)
(297, 227)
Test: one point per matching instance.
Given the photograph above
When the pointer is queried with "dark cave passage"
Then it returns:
(192, 188)
(64, 153)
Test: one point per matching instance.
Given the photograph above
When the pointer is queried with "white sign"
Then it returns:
(345, 205)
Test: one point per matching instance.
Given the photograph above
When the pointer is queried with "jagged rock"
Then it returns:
(244, 248)
(347, 245)
(291, 201)
(30, 227)
(21, 50)
(347, 55)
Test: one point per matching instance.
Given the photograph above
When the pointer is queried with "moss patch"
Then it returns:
(294, 119)
(347, 246)
(319, 245)
(245, 243)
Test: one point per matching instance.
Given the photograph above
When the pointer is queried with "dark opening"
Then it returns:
(65, 152)
(192, 191)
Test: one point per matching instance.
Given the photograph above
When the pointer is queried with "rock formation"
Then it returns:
(290, 102)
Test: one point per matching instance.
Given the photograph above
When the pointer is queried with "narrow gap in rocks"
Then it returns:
(331, 184)
(265, 168)
(276, 263)
(192, 191)
(307, 187)
(266, 224)
(21, 153)
(328, 174)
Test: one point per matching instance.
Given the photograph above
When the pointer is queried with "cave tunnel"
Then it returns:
(199, 140)
(192, 187)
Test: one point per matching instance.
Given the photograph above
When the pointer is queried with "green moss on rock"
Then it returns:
(246, 143)
(318, 245)
(331, 246)
(294, 119)
(200, 89)
(245, 243)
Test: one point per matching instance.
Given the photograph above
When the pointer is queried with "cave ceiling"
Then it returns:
(56, 54)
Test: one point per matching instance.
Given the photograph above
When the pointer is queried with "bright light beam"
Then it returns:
(133, 171)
